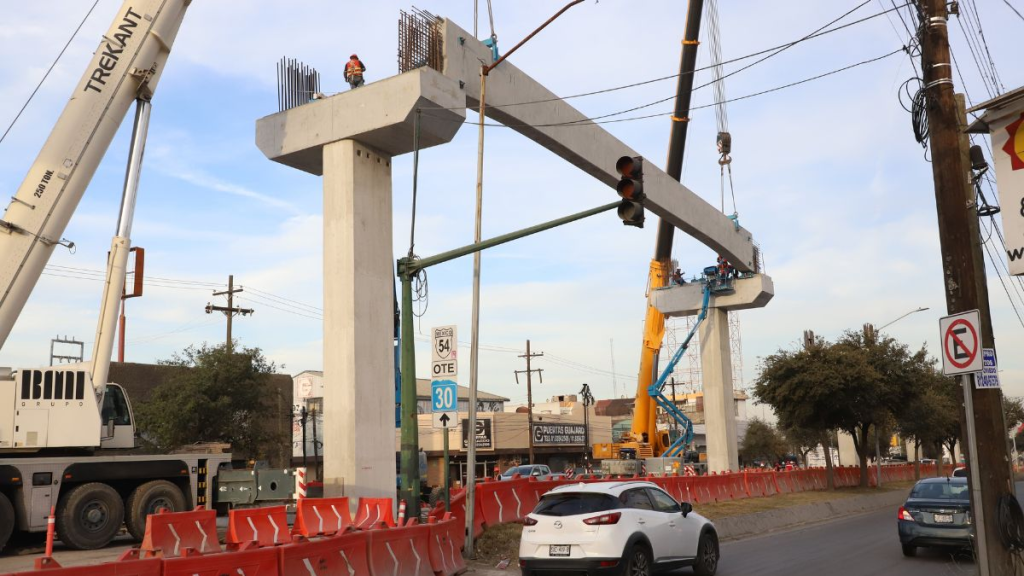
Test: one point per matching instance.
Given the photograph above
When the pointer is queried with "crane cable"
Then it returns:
(724, 139)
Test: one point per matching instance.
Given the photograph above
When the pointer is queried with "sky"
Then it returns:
(827, 176)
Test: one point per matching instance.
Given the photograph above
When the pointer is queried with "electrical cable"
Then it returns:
(1015, 11)
(591, 122)
(50, 69)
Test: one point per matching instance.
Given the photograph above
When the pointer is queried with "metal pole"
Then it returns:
(410, 465)
(972, 455)
(302, 417)
(447, 475)
(529, 399)
(316, 448)
(474, 341)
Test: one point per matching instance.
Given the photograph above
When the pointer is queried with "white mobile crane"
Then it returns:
(65, 432)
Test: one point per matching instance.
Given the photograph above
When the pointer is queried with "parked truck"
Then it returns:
(67, 435)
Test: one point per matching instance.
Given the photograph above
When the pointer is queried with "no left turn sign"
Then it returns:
(961, 343)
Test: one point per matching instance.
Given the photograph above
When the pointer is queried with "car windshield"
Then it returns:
(574, 503)
(940, 491)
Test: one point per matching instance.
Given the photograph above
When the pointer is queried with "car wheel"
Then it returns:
(6, 520)
(89, 516)
(148, 499)
(909, 551)
(638, 562)
(706, 563)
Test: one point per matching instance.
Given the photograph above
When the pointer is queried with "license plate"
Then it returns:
(559, 550)
(943, 518)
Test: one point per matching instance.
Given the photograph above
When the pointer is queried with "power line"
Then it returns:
(50, 69)
(1015, 11)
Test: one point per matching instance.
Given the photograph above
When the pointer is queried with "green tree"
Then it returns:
(216, 396)
(762, 442)
(929, 416)
(886, 391)
(802, 441)
(816, 388)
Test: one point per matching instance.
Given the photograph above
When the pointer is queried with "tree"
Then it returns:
(1013, 409)
(802, 441)
(216, 396)
(887, 391)
(762, 442)
(816, 388)
(929, 416)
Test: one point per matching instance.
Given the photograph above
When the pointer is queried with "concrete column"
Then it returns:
(359, 374)
(719, 411)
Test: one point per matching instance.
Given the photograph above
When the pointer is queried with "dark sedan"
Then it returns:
(937, 513)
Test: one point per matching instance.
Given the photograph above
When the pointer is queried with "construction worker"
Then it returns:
(354, 69)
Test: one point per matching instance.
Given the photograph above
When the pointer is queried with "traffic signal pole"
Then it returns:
(990, 479)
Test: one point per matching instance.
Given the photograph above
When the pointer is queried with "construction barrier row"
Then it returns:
(326, 539)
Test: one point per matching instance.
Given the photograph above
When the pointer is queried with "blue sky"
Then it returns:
(827, 175)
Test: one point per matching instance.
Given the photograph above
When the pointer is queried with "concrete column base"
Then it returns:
(719, 403)
(359, 374)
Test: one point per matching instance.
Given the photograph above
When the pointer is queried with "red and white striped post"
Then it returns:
(401, 513)
(300, 483)
(50, 527)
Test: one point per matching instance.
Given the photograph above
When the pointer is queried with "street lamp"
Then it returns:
(878, 451)
(902, 317)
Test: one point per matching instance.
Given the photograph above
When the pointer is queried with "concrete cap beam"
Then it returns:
(380, 114)
(686, 300)
(557, 126)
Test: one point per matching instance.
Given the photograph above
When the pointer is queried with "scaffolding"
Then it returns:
(688, 374)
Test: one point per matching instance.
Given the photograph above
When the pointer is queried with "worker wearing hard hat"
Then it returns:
(354, 69)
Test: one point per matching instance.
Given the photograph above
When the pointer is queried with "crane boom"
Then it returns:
(126, 66)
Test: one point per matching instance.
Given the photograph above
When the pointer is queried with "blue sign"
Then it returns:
(989, 371)
(444, 395)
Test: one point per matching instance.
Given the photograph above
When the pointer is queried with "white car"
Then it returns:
(631, 528)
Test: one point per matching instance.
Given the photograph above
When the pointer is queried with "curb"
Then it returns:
(748, 525)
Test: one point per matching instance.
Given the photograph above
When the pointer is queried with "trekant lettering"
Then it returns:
(112, 53)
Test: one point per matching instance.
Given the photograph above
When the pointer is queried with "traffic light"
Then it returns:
(631, 189)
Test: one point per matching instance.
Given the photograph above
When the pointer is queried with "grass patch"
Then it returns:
(499, 542)
(754, 505)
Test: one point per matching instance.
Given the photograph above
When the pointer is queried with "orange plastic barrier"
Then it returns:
(501, 502)
(372, 511)
(258, 527)
(399, 551)
(173, 534)
(445, 542)
(342, 554)
(322, 516)
(252, 562)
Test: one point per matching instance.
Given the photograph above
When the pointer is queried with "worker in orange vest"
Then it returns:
(354, 69)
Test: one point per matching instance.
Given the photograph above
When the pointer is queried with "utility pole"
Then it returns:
(529, 389)
(302, 418)
(989, 477)
(588, 401)
(316, 446)
(230, 310)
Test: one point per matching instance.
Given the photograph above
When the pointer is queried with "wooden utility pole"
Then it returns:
(230, 310)
(989, 479)
(529, 389)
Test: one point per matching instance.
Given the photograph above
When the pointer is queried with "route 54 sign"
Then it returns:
(960, 336)
(444, 377)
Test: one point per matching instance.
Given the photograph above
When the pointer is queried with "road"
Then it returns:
(864, 544)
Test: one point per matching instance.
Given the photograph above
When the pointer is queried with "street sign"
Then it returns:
(989, 371)
(444, 403)
(444, 387)
(1008, 151)
(960, 335)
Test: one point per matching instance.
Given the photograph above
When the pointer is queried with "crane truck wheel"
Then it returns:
(6, 520)
(148, 499)
(89, 516)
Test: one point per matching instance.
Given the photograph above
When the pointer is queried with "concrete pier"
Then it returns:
(351, 139)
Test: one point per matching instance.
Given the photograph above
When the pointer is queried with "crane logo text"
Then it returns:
(52, 385)
(112, 53)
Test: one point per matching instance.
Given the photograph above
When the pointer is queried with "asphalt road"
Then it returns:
(855, 546)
